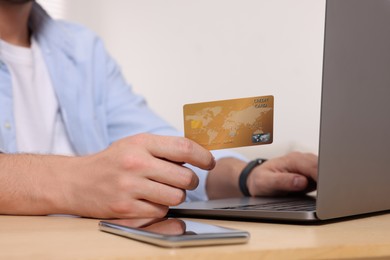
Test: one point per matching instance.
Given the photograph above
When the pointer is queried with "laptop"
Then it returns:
(354, 140)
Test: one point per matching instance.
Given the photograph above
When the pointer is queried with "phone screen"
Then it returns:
(173, 232)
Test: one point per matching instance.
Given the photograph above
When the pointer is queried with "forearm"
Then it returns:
(31, 184)
(222, 181)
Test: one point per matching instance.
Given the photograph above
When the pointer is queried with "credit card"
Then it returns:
(230, 123)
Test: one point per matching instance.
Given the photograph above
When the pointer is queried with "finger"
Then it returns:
(177, 149)
(302, 163)
(136, 222)
(278, 183)
(141, 209)
(160, 193)
(172, 174)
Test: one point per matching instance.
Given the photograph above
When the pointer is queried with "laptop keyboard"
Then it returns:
(289, 205)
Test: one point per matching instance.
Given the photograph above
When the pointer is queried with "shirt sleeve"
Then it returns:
(128, 112)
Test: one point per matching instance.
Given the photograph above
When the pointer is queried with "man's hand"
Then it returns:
(138, 176)
(294, 172)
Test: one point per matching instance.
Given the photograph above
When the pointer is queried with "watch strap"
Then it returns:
(242, 181)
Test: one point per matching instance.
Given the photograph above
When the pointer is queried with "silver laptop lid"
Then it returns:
(354, 166)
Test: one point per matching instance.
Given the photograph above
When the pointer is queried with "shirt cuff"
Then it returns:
(199, 194)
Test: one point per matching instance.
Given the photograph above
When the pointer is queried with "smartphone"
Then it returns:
(174, 232)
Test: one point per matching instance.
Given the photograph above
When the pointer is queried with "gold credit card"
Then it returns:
(230, 123)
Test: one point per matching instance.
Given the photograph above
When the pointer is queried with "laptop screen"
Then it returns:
(355, 124)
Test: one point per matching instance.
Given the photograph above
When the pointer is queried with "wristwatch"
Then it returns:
(242, 181)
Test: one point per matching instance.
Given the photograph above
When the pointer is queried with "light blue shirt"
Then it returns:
(97, 105)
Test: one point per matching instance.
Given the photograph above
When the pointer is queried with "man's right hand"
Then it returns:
(138, 176)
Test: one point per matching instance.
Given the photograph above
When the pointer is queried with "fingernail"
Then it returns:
(214, 162)
(298, 182)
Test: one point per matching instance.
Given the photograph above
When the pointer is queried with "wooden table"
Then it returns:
(61, 237)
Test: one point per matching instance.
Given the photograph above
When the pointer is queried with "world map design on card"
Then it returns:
(230, 123)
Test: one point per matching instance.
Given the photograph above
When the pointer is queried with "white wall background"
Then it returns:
(184, 51)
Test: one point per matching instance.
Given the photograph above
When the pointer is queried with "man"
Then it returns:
(77, 140)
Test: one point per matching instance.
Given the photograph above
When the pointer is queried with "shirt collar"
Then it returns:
(48, 33)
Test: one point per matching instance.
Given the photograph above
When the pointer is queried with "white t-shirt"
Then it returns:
(38, 122)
